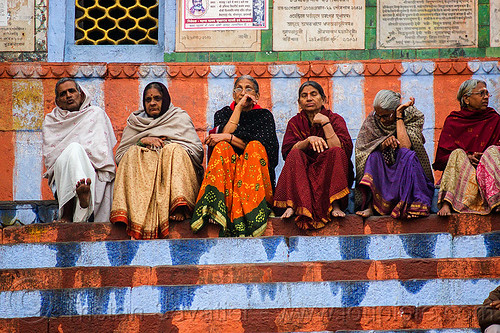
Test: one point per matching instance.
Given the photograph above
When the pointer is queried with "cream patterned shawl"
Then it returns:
(373, 133)
(175, 124)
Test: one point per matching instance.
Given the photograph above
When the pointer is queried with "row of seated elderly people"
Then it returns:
(160, 176)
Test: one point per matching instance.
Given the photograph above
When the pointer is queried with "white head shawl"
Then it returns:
(90, 127)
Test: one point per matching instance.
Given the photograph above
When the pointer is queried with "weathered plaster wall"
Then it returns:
(27, 91)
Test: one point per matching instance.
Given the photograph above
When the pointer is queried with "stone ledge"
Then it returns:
(456, 225)
(222, 251)
(410, 318)
(413, 319)
(348, 270)
(27, 212)
(44, 70)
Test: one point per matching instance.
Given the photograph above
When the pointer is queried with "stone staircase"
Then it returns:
(355, 275)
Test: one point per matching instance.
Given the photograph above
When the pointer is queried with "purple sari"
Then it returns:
(402, 189)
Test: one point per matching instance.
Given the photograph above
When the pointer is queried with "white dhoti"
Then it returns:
(71, 166)
(493, 329)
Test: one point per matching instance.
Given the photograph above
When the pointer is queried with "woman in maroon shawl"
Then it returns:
(315, 181)
(469, 153)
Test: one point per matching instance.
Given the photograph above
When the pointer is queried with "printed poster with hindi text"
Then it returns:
(224, 14)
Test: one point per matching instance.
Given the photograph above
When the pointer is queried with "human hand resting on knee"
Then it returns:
(390, 142)
(317, 143)
(152, 142)
(474, 158)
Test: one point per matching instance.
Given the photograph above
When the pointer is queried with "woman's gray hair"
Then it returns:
(387, 100)
(67, 79)
(251, 79)
(466, 88)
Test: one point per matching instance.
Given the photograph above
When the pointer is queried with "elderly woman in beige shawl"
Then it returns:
(394, 176)
(159, 167)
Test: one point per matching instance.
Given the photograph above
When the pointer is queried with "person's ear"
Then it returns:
(325, 100)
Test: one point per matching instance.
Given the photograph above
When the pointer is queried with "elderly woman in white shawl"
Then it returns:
(159, 167)
(78, 141)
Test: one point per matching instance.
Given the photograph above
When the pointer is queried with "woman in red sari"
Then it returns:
(315, 181)
(469, 153)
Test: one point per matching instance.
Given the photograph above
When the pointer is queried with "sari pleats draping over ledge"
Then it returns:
(149, 186)
(310, 185)
(402, 189)
(471, 190)
(236, 192)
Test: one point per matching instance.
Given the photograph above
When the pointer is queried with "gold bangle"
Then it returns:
(233, 122)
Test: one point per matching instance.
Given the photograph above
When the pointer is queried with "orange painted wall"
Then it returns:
(373, 84)
(188, 85)
(7, 149)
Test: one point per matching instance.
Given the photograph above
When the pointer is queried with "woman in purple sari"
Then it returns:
(393, 173)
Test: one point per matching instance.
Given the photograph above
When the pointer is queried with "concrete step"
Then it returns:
(432, 319)
(355, 275)
(348, 270)
(219, 251)
(246, 296)
(456, 225)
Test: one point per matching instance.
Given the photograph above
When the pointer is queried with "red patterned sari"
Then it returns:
(310, 182)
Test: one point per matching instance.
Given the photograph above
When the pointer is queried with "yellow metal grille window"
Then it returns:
(116, 22)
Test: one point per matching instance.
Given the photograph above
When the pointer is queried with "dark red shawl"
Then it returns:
(471, 130)
(299, 129)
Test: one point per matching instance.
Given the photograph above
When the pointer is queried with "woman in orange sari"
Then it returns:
(237, 189)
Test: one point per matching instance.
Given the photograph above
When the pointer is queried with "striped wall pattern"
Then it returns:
(203, 89)
(284, 295)
(276, 249)
(421, 282)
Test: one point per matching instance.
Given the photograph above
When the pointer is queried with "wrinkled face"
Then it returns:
(386, 117)
(310, 100)
(152, 102)
(479, 97)
(242, 88)
(68, 97)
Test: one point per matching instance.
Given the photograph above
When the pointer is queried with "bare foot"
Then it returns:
(365, 213)
(180, 214)
(445, 209)
(62, 220)
(177, 217)
(288, 213)
(83, 192)
(67, 212)
(336, 211)
(496, 209)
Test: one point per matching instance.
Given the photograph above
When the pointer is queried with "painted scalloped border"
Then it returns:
(300, 69)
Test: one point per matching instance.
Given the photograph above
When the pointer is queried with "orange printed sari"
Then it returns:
(236, 192)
